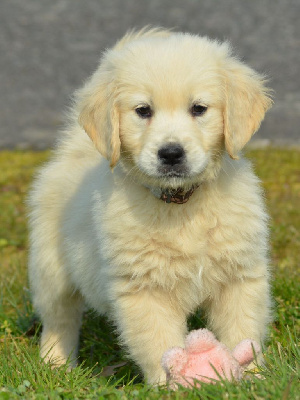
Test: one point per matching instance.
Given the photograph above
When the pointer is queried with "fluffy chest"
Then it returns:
(208, 240)
(149, 242)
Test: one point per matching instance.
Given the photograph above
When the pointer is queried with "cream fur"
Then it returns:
(102, 238)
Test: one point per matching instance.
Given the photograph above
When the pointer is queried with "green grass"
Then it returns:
(104, 372)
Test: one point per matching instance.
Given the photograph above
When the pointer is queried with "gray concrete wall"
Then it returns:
(48, 47)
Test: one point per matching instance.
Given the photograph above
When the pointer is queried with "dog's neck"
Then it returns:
(177, 196)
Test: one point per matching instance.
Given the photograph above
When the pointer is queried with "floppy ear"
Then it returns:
(246, 102)
(99, 116)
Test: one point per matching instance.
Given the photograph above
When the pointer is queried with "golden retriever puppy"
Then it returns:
(146, 211)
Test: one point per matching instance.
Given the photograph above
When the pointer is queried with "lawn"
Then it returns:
(104, 372)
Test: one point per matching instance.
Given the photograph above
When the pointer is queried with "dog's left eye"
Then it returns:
(144, 111)
(198, 110)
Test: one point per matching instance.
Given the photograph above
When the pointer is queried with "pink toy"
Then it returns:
(202, 350)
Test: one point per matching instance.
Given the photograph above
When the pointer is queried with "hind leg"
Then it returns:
(55, 297)
(60, 310)
(61, 326)
(56, 301)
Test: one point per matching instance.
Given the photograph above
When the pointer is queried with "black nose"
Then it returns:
(171, 154)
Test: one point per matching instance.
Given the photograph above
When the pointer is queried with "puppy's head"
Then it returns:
(168, 104)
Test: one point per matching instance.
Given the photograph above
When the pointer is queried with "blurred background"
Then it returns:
(49, 47)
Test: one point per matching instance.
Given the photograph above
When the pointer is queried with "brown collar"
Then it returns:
(177, 196)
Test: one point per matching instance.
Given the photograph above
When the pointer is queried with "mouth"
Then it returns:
(174, 171)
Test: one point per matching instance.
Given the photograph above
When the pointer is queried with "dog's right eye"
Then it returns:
(144, 111)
